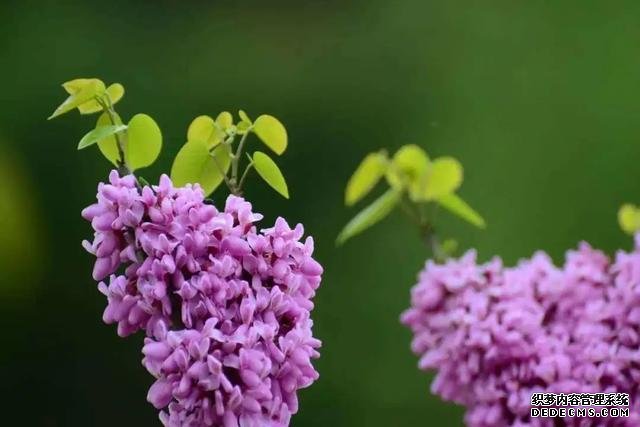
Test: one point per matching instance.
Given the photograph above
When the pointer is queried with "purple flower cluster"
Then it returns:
(495, 335)
(225, 308)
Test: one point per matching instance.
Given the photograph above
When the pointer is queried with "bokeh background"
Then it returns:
(538, 99)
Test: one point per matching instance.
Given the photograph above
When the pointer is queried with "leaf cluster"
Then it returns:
(214, 149)
(129, 146)
(414, 182)
(211, 155)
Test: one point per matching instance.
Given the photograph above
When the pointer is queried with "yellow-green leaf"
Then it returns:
(194, 163)
(85, 93)
(74, 86)
(459, 207)
(108, 146)
(366, 176)
(243, 127)
(270, 172)
(629, 218)
(99, 134)
(244, 117)
(443, 177)
(271, 132)
(144, 141)
(115, 92)
(224, 120)
(408, 166)
(203, 128)
(372, 214)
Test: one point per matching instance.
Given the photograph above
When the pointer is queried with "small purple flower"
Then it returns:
(495, 335)
(225, 307)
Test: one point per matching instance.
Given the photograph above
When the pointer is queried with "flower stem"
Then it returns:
(236, 158)
(107, 106)
(244, 176)
(426, 229)
(227, 181)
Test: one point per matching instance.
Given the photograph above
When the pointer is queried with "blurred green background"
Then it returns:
(538, 99)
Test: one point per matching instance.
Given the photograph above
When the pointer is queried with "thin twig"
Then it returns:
(427, 231)
(108, 108)
(236, 158)
(406, 208)
(227, 181)
(431, 239)
(244, 176)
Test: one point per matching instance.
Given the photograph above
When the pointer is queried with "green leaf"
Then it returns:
(459, 207)
(372, 214)
(144, 141)
(83, 94)
(629, 218)
(271, 132)
(243, 127)
(99, 134)
(115, 92)
(74, 86)
(224, 120)
(366, 176)
(203, 128)
(194, 163)
(108, 146)
(270, 172)
(244, 117)
(408, 166)
(443, 177)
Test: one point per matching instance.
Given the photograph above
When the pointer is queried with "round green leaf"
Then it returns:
(115, 92)
(108, 145)
(144, 141)
(443, 177)
(629, 218)
(203, 128)
(99, 134)
(459, 207)
(271, 132)
(369, 216)
(366, 176)
(270, 173)
(408, 166)
(194, 163)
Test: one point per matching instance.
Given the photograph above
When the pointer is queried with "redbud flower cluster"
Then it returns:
(225, 307)
(496, 335)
